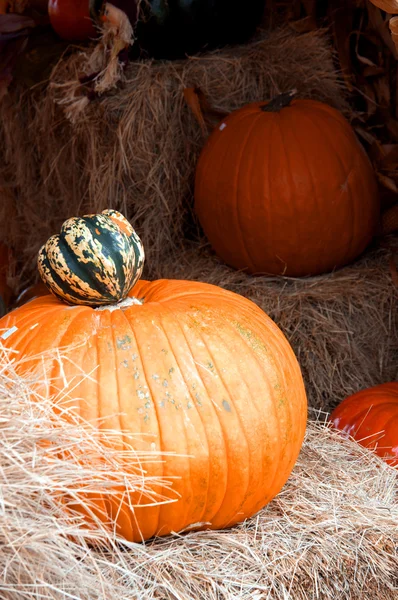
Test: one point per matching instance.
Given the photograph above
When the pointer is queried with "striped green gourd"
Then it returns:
(95, 260)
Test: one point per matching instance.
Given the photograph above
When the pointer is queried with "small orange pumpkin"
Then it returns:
(286, 188)
(198, 373)
(371, 418)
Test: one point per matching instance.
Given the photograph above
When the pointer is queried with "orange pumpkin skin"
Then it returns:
(202, 371)
(287, 192)
(371, 417)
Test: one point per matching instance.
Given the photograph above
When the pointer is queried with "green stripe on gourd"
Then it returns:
(95, 259)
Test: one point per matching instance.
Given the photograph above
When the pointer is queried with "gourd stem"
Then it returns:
(279, 102)
(125, 303)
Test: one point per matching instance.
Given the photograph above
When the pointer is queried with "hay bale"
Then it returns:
(332, 533)
(136, 149)
(343, 326)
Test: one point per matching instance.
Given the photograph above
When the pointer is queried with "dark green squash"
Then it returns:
(95, 260)
(173, 28)
(164, 29)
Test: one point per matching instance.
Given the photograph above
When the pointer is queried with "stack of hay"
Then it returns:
(135, 150)
(332, 532)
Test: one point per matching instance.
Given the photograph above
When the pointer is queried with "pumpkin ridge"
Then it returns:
(275, 355)
(300, 145)
(114, 503)
(351, 201)
(379, 409)
(247, 217)
(292, 366)
(268, 384)
(46, 323)
(297, 229)
(322, 250)
(242, 429)
(215, 412)
(227, 455)
(126, 514)
(236, 202)
(267, 194)
(203, 166)
(326, 110)
(57, 344)
(162, 507)
(97, 381)
(250, 470)
(121, 427)
(193, 403)
(25, 336)
(25, 322)
(361, 156)
(361, 435)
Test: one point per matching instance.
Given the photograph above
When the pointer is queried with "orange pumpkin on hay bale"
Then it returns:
(286, 188)
(198, 373)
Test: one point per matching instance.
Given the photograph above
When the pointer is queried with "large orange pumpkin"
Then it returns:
(198, 371)
(371, 417)
(286, 188)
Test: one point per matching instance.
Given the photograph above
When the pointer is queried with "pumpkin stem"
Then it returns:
(126, 303)
(279, 102)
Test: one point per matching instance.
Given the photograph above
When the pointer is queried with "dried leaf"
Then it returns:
(342, 21)
(366, 135)
(304, 25)
(389, 220)
(368, 94)
(381, 26)
(365, 61)
(382, 91)
(11, 23)
(376, 152)
(192, 99)
(390, 6)
(373, 71)
(393, 24)
(390, 158)
(387, 182)
(392, 128)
